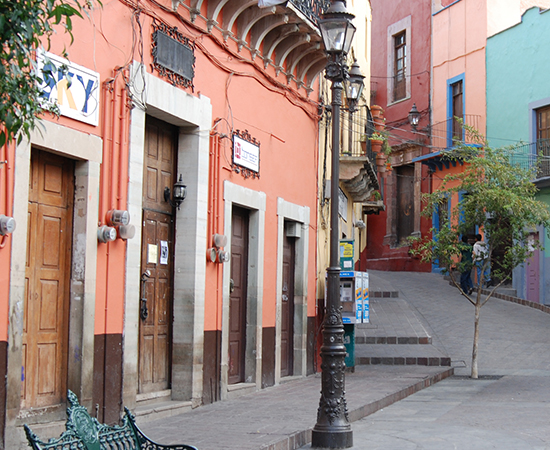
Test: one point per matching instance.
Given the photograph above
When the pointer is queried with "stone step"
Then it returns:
(401, 340)
(400, 354)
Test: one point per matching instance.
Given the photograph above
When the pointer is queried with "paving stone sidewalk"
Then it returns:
(506, 408)
(281, 417)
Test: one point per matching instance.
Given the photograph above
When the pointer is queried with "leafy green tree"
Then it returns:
(25, 25)
(498, 197)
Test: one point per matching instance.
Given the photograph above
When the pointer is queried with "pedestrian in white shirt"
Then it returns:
(480, 255)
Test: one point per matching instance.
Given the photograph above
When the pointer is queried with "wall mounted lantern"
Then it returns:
(414, 117)
(178, 195)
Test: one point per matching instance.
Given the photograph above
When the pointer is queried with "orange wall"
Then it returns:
(7, 153)
(103, 44)
(244, 96)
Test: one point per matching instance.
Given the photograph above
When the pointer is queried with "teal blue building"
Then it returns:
(518, 114)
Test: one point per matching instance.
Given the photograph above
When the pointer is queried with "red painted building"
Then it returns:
(400, 79)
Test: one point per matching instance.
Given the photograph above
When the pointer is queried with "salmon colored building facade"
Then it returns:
(111, 288)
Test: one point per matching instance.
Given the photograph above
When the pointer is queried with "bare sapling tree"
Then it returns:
(491, 195)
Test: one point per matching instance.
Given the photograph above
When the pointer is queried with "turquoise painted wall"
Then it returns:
(518, 75)
(544, 196)
(518, 68)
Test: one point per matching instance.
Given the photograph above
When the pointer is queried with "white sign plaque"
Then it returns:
(75, 90)
(246, 154)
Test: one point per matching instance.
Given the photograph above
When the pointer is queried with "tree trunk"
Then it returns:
(476, 337)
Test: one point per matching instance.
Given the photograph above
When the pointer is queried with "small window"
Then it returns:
(457, 109)
(400, 66)
(443, 213)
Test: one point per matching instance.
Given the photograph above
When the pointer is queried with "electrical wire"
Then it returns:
(406, 76)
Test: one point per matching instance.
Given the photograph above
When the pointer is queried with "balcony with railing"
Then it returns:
(534, 156)
(312, 9)
(358, 172)
(445, 134)
(284, 36)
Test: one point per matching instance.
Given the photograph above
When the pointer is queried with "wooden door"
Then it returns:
(405, 202)
(287, 308)
(157, 250)
(47, 281)
(237, 298)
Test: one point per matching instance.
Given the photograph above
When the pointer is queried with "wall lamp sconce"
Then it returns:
(414, 117)
(178, 195)
(7, 224)
(106, 234)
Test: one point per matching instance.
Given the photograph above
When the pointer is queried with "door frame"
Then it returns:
(255, 201)
(87, 151)
(193, 116)
(292, 212)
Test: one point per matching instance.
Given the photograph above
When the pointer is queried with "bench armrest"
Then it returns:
(148, 444)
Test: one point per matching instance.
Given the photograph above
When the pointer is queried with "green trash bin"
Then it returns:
(349, 343)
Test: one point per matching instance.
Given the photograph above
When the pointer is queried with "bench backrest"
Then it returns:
(84, 432)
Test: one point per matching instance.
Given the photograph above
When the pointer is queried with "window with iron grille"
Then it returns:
(400, 66)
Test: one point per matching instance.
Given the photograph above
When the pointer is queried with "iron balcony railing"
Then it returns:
(312, 9)
(445, 134)
(534, 156)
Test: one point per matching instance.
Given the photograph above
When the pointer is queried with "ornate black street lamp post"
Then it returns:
(332, 429)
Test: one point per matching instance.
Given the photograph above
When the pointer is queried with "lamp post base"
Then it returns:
(331, 438)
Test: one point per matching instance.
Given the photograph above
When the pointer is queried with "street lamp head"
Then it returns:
(414, 116)
(354, 86)
(336, 28)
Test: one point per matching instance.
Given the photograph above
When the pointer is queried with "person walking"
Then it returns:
(480, 256)
(466, 283)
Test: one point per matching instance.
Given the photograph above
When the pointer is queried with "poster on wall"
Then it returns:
(73, 88)
(163, 252)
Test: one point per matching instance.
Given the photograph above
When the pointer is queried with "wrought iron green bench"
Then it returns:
(86, 433)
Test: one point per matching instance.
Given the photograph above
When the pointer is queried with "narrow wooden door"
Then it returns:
(47, 281)
(237, 298)
(405, 202)
(287, 308)
(155, 330)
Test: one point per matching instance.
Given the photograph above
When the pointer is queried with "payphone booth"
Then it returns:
(354, 297)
